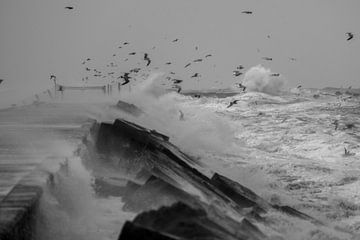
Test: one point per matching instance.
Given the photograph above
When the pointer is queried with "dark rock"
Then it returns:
(183, 221)
(105, 187)
(129, 108)
(154, 194)
(132, 231)
(241, 195)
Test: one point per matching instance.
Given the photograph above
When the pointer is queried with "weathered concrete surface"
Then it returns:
(30, 136)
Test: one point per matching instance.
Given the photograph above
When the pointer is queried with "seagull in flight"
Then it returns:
(146, 58)
(69, 8)
(175, 40)
(195, 75)
(350, 36)
(275, 74)
(126, 78)
(247, 12)
(232, 103)
(237, 73)
(209, 55)
(177, 81)
(187, 65)
(198, 60)
(267, 58)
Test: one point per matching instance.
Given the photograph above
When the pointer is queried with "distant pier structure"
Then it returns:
(106, 88)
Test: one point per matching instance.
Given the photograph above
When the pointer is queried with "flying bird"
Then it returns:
(237, 73)
(267, 58)
(126, 43)
(126, 78)
(177, 81)
(208, 55)
(88, 59)
(172, 73)
(242, 86)
(232, 103)
(69, 8)
(350, 36)
(132, 53)
(146, 58)
(187, 65)
(240, 67)
(247, 12)
(175, 40)
(275, 74)
(198, 60)
(196, 75)
(168, 63)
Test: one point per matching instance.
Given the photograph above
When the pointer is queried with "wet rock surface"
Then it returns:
(175, 200)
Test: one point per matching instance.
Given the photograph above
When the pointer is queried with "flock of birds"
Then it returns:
(176, 82)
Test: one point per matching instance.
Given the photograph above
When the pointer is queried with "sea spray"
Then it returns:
(259, 79)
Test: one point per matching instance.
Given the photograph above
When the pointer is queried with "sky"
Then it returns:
(41, 37)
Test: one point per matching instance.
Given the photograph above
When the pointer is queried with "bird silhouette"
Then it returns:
(195, 75)
(168, 63)
(175, 40)
(247, 12)
(240, 67)
(69, 8)
(232, 103)
(208, 55)
(198, 60)
(267, 58)
(126, 43)
(126, 78)
(146, 58)
(237, 73)
(350, 36)
(275, 74)
(177, 81)
(132, 53)
(187, 65)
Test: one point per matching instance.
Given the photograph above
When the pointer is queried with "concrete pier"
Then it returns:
(30, 137)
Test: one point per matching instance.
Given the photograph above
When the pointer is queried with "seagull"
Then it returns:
(275, 74)
(350, 36)
(126, 78)
(209, 55)
(247, 12)
(177, 81)
(237, 73)
(267, 58)
(198, 60)
(240, 67)
(175, 40)
(88, 59)
(195, 75)
(69, 8)
(126, 43)
(132, 53)
(172, 73)
(146, 58)
(232, 103)
(242, 86)
(168, 63)
(187, 65)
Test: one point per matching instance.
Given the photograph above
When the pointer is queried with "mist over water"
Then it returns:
(259, 79)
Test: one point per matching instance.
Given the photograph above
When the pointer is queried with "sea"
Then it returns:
(298, 147)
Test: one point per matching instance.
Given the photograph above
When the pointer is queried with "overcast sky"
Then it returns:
(41, 37)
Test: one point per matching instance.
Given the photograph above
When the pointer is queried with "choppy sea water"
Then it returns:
(289, 149)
